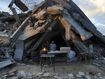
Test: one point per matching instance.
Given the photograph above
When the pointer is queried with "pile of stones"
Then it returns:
(99, 62)
(14, 74)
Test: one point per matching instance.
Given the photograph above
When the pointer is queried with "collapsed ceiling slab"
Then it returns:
(19, 4)
(78, 28)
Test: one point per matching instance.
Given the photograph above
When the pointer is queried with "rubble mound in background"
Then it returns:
(14, 74)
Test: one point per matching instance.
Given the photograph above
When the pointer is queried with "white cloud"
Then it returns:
(95, 10)
(98, 2)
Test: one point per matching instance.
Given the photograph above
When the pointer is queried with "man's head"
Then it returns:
(52, 41)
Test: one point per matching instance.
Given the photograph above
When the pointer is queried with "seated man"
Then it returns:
(52, 46)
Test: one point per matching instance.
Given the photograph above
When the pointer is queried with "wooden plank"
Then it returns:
(48, 37)
(41, 5)
(76, 27)
(66, 41)
(71, 24)
(29, 33)
(30, 41)
(75, 39)
(82, 48)
(54, 10)
(40, 15)
(67, 28)
(44, 36)
(18, 32)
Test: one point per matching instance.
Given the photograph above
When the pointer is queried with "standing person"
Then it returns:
(52, 46)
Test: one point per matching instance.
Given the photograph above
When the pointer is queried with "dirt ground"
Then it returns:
(64, 68)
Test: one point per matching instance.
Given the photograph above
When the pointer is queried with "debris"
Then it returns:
(26, 75)
(54, 10)
(39, 74)
(53, 17)
(81, 74)
(40, 15)
(46, 74)
(99, 62)
(58, 20)
(21, 74)
(71, 76)
(88, 77)
(6, 62)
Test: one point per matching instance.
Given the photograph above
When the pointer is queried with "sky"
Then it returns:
(4, 4)
(94, 9)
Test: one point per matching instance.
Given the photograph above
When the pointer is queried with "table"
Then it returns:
(44, 59)
(57, 52)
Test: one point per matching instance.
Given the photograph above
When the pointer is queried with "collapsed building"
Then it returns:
(8, 25)
(59, 20)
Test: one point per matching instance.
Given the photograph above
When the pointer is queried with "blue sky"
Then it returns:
(94, 9)
(4, 5)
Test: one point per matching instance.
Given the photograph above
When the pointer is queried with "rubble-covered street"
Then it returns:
(63, 71)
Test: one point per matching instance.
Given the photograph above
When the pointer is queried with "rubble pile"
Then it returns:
(26, 33)
(100, 62)
(14, 74)
(4, 14)
(7, 27)
(57, 17)
(8, 23)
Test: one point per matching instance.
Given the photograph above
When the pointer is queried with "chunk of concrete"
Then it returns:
(5, 63)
